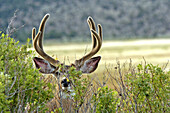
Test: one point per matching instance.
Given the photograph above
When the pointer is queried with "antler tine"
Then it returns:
(91, 24)
(37, 42)
(41, 28)
(99, 41)
(33, 33)
(100, 31)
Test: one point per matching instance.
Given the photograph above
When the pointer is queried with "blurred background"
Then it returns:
(135, 29)
(121, 19)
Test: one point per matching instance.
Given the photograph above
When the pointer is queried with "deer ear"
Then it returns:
(45, 66)
(90, 65)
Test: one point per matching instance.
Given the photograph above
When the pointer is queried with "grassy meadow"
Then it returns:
(155, 51)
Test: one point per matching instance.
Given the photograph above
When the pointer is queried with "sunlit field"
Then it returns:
(155, 51)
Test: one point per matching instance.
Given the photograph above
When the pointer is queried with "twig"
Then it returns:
(12, 84)
(10, 29)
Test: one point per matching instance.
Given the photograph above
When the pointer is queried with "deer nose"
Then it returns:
(65, 82)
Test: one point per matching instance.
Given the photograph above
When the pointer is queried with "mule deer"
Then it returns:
(48, 65)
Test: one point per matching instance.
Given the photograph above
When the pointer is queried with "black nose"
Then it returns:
(65, 83)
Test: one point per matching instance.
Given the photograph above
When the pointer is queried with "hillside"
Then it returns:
(119, 18)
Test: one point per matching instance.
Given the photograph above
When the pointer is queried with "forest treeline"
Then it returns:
(119, 18)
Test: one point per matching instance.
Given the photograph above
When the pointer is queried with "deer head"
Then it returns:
(48, 65)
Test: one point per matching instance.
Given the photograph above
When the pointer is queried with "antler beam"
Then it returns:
(96, 41)
(37, 41)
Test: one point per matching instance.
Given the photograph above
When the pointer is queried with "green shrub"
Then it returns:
(81, 87)
(20, 82)
(146, 90)
(141, 89)
(3, 100)
(105, 100)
